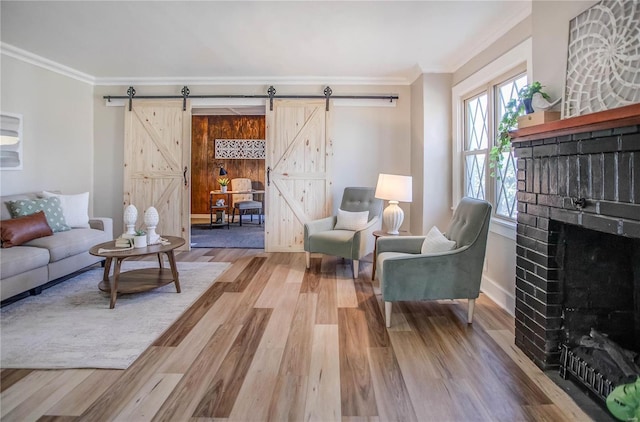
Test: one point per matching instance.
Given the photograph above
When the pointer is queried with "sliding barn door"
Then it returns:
(157, 156)
(299, 155)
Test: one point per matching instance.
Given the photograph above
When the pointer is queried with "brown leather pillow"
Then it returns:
(23, 229)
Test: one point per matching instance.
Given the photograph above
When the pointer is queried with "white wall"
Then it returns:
(436, 184)
(550, 35)
(431, 152)
(367, 140)
(57, 129)
(417, 154)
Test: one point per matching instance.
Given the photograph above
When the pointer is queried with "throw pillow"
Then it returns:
(74, 207)
(50, 206)
(19, 230)
(348, 220)
(436, 242)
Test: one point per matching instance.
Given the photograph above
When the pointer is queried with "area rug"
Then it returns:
(70, 324)
(249, 236)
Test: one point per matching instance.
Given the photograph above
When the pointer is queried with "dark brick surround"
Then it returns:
(603, 168)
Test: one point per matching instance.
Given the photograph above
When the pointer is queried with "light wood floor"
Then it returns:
(271, 341)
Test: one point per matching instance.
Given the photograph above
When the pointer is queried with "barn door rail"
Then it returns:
(271, 95)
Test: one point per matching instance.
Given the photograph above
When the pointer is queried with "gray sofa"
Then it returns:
(28, 266)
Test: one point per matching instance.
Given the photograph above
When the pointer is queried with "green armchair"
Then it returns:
(407, 274)
(320, 236)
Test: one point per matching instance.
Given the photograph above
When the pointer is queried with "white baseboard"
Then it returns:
(506, 300)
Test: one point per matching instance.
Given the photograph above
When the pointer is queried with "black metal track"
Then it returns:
(271, 95)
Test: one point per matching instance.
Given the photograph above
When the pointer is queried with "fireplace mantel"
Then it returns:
(608, 119)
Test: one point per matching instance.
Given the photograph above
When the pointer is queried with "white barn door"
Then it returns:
(157, 156)
(299, 152)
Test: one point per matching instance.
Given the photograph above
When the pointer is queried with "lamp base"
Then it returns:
(392, 217)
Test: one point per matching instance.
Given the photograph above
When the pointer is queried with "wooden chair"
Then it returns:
(244, 202)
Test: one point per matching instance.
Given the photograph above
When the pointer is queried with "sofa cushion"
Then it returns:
(21, 259)
(349, 220)
(51, 207)
(65, 244)
(74, 207)
(435, 242)
(16, 231)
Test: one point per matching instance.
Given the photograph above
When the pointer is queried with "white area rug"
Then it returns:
(70, 325)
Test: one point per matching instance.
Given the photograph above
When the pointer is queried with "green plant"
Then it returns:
(140, 232)
(514, 108)
(527, 91)
(224, 181)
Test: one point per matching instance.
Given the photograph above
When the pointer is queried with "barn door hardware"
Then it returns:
(271, 95)
(131, 92)
(327, 93)
(185, 94)
(272, 92)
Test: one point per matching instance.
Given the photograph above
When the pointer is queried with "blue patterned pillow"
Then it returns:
(51, 207)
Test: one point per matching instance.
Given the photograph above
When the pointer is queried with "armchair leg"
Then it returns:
(307, 256)
(387, 313)
(356, 267)
(472, 305)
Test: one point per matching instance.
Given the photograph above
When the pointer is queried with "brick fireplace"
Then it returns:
(578, 200)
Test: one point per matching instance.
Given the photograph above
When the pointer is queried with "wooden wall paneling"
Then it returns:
(206, 129)
(199, 165)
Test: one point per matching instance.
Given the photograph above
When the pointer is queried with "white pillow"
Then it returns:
(436, 242)
(74, 207)
(348, 220)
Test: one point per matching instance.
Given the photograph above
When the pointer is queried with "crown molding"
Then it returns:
(28, 57)
(252, 80)
(36, 60)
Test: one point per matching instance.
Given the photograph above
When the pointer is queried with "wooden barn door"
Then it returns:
(157, 149)
(299, 151)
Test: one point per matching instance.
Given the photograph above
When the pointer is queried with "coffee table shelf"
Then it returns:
(140, 280)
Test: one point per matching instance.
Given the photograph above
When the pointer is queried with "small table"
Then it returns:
(376, 235)
(227, 207)
(140, 280)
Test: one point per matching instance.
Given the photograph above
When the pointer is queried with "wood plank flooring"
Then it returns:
(272, 341)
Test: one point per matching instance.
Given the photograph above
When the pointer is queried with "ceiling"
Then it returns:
(155, 42)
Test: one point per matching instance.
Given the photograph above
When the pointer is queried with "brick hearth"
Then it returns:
(583, 171)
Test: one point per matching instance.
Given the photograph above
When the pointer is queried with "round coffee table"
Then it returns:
(140, 280)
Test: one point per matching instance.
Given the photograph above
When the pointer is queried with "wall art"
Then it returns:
(240, 148)
(11, 141)
(603, 66)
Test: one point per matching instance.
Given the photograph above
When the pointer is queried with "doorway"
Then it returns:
(238, 125)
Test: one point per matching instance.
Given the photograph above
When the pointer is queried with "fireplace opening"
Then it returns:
(600, 278)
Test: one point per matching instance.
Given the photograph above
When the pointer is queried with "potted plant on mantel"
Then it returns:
(224, 182)
(515, 107)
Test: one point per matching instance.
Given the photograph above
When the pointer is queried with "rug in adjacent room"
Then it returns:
(70, 324)
(249, 236)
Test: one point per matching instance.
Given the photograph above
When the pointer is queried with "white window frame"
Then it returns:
(517, 56)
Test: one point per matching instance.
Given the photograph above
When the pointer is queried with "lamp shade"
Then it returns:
(223, 172)
(394, 187)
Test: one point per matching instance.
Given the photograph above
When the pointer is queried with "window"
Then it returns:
(482, 112)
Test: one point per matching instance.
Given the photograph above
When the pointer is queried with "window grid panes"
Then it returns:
(506, 183)
(483, 113)
(476, 145)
